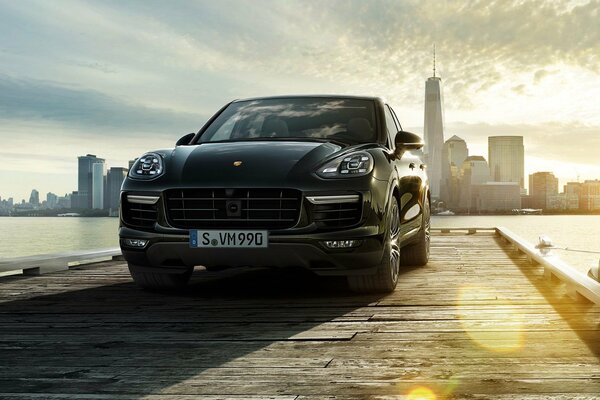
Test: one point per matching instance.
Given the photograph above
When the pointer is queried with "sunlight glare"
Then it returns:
(501, 331)
(421, 393)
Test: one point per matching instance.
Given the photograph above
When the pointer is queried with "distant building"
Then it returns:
(496, 196)
(474, 171)
(79, 201)
(84, 179)
(34, 198)
(454, 153)
(556, 201)
(434, 131)
(589, 198)
(572, 192)
(64, 201)
(114, 179)
(51, 200)
(506, 156)
(543, 189)
(98, 183)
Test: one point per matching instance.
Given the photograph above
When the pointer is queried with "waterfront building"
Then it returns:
(572, 192)
(506, 156)
(542, 187)
(589, 198)
(474, 171)
(496, 196)
(454, 153)
(556, 201)
(78, 201)
(64, 201)
(114, 179)
(51, 200)
(84, 179)
(98, 183)
(434, 131)
(34, 198)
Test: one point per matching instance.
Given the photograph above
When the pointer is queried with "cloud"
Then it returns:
(155, 70)
(27, 100)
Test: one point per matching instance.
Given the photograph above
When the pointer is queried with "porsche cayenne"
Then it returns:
(328, 183)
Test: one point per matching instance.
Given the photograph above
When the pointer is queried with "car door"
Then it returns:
(411, 176)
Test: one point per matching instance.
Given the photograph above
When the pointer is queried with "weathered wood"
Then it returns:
(479, 321)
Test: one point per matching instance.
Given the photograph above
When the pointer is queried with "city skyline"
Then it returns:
(123, 78)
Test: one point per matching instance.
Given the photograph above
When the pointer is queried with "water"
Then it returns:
(580, 232)
(25, 236)
(40, 235)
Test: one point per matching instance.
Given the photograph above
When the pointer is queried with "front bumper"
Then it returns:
(172, 252)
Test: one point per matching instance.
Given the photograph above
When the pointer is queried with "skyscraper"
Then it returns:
(114, 179)
(51, 200)
(507, 159)
(98, 182)
(542, 186)
(454, 153)
(34, 198)
(434, 131)
(474, 171)
(84, 180)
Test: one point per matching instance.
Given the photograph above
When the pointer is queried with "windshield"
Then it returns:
(349, 121)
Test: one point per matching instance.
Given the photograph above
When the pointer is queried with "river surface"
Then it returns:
(25, 236)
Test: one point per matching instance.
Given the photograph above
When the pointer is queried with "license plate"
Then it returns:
(229, 239)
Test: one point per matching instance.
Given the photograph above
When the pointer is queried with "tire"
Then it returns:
(386, 277)
(417, 254)
(159, 280)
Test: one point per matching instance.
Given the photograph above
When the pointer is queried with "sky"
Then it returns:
(116, 78)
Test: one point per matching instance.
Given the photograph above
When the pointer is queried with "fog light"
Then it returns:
(136, 242)
(341, 244)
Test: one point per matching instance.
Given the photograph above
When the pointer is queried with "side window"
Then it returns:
(390, 124)
(398, 124)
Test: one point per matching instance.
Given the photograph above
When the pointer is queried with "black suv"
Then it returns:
(327, 183)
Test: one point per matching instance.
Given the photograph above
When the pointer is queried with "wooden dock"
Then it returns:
(479, 322)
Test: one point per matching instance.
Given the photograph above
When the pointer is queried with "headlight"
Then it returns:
(148, 166)
(350, 165)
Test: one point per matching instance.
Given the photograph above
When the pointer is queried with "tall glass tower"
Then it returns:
(506, 155)
(434, 131)
(84, 180)
(98, 185)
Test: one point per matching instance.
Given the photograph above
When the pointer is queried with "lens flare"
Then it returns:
(421, 393)
(501, 330)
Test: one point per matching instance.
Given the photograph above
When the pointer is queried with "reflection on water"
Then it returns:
(573, 231)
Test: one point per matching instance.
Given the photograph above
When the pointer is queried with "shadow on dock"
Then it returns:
(557, 296)
(117, 339)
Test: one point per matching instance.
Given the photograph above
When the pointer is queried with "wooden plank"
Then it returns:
(479, 321)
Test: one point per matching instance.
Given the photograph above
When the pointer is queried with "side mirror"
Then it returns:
(185, 139)
(407, 141)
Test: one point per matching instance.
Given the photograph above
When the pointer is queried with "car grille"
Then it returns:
(336, 215)
(138, 215)
(233, 208)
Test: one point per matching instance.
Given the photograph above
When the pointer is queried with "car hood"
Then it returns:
(253, 163)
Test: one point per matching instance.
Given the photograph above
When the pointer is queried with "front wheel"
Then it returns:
(386, 277)
(159, 280)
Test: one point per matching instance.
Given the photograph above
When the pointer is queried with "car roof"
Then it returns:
(308, 96)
